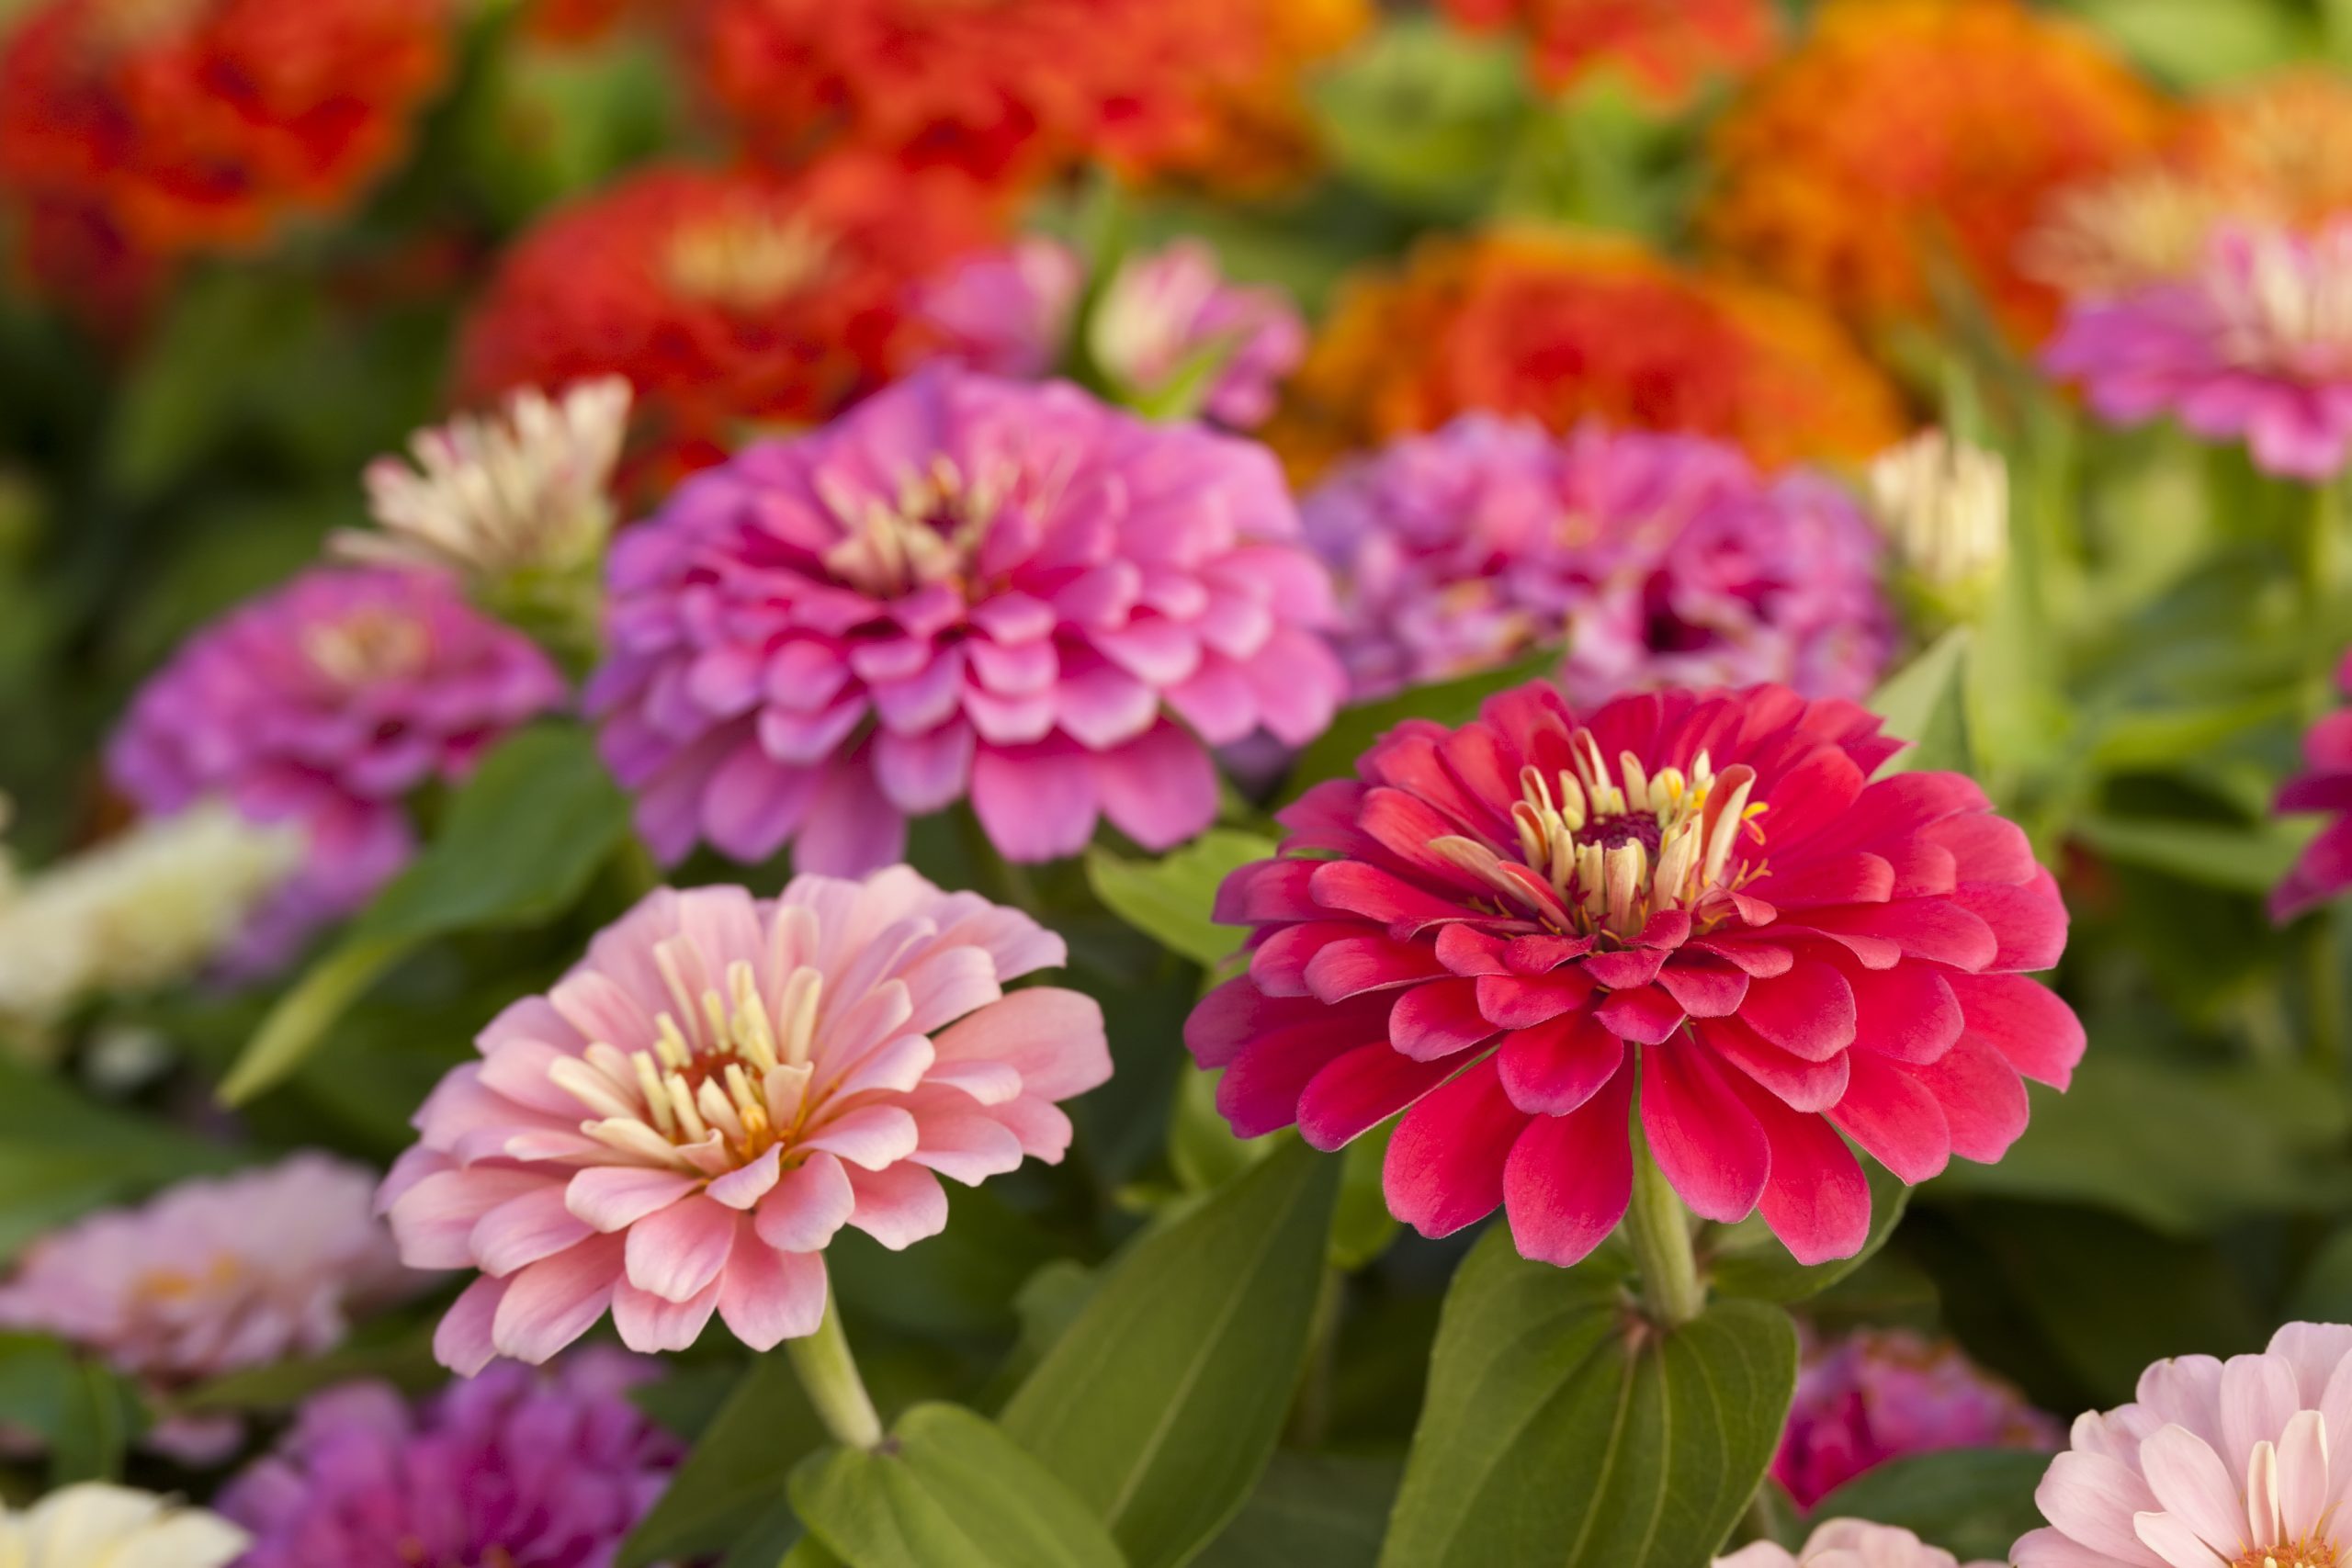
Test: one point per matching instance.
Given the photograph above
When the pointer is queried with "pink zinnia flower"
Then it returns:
(1006, 312)
(1849, 1543)
(2214, 1462)
(1500, 929)
(212, 1276)
(2257, 346)
(2324, 868)
(681, 1125)
(323, 704)
(1879, 1394)
(1658, 560)
(964, 587)
(515, 1468)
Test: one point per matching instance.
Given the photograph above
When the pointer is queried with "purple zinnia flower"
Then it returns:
(324, 702)
(1880, 1395)
(519, 1468)
(2254, 347)
(1658, 560)
(963, 587)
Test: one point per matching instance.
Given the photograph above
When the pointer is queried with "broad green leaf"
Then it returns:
(1168, 900)
(1449, 703)
(736, 1473)
(950, 1490)
(1327, 1509)
(1746, 1259)
(82, 1413)
(1974, 1503)
(2199, 43)
(1160, 1403)
(2239, 860)
(1563, 1431)
(1926, 703)
(523, 838)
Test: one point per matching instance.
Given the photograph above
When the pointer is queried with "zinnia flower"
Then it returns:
(2255, 348)
(1659, 560)
(202, 124)
(2214, 1461)
(1501, 930)
(965, 586)
(1008, 311)
(1879, 1394)
(2324, 868)
(1564, 330)
(1945, 504)
(96, 1525)
(1955, 121)
(726, 298)
(322, 705)
(1667, 47)
(212, 1276)
(682, 1123)
(1848, 1543)
(513, 1468)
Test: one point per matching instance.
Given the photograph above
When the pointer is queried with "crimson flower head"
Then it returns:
(1505, 930)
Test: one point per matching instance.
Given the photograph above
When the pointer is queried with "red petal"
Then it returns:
(1983, 1096)
(1445, 1168)
(1356, 965)
(1855, 878)
(1809, 1011)
(1467, 951)
(1922, 869)
(1261, 1089)
(1554, 1067)
(2029, 923)
(1266, 891)
(1668, 929)
(1994, 849)
(1907, 1012)
(1362, 1090)
(1511, 1001)
(1626, 969)
(1569, 1178)
(1708, 1143)
(1405, 825)
(1279, 963)
(1761, 959)
(1903, 805)
(1811, 797)
(1706, 987)
(1542, 954)
(1817, 1199)
(1649, 1016)
(1892, 1115)
(1800, 1085)
(1236, 1014)
(1937, 930)
(1359, 889)
(1438, 1019)
(2027, 1022)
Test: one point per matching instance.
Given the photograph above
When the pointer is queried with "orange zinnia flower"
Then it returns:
(726, 298)
(1667, 47)
(1565, 328)
(187, 125)
(1904, 126)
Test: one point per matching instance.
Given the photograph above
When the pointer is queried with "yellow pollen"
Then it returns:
(369, 644)
(748, 260)
(928, 532)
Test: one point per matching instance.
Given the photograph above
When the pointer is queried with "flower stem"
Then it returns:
(828, 1372)
(1660, 1231)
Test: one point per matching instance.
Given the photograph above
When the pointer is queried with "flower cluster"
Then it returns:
(1501, 930)
(515, 1468)
(754, 1074)
(1955, 122)
(964, 587)
(1563, 330)
(1659, 560)
(1668, 48)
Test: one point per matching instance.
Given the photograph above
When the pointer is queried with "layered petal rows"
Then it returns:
(1511, 931)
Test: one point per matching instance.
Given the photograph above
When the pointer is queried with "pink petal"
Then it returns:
(1554, 1068)
(1647, 1017)
(1054, 1037)
(1809, 1011)
(2189, 1481)
(1568, 1179)
(1037, 803)
(1159, 789)
(525, 1229)
(1362, 1089)
(2093, 1499)
(900, 1206)
(1444, 1167)
(804, 1210)
(615, 1197)
(462, 1342)
(870, 1135)
(1707, 1143)
(1817, 1199)
(1889, 1112)
(1907, 1012)
(434, 1220)
(2025, 1022)
(675, 1253)
(649, 1324)
(549, 1303)
(1984, 1102)
(1438, 1019)
(748, 1182)
(766, 1297)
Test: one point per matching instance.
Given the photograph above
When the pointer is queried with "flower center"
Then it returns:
(369, 644)
(174, 1285)
(748, 260)
(725, 1069)
(2287, 308)
(1609, 853)
(928, 533)
(2320, 1554)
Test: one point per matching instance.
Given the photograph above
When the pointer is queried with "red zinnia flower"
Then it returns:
(199, 124)
(1667, 47)
(1509, 927)
(726, 298)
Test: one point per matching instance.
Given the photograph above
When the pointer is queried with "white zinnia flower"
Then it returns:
(1945, 504)
(96, 1525)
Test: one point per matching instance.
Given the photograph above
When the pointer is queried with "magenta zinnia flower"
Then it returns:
(324, 704)
(1879, 1394)
(2257, 346)
(514, 1468)
(2324, 868)
(1005, 312)
(2215, 1462)
(1163, 313)
(1499, 930)
(965, 586)
(1658, 560)
(753, 1073)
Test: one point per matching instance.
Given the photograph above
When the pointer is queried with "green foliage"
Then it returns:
(1747, 1260)
(1449, 703)
(1168, 900)
(1974, 1503)
(84, 1414)
(61, 1154)
(735, 1475)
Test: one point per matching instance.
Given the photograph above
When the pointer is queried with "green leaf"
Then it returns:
(1427, 115)
(1926, 703)
(62, 1155)
(735, 1475)
(1169, 899)
(1327, 1509)
(79, 1410)
(522, 840)
(1449, 703)
(949, 1490)
(1974, 1503)
(1748, 1261)
(2198, 43)
(1562, 1430)
(2215, 854)
(403, 1359)
(1161, 1403)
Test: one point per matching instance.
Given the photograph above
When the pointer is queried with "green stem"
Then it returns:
(1660, 1230)
(828, 1372)
(2321, 566)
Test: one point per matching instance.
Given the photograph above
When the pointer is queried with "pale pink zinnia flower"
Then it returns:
(964, 587)
(2256, 346)
(2216, 1462)
(681, 1125)
(1849, 1543)
(1880, 1395)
